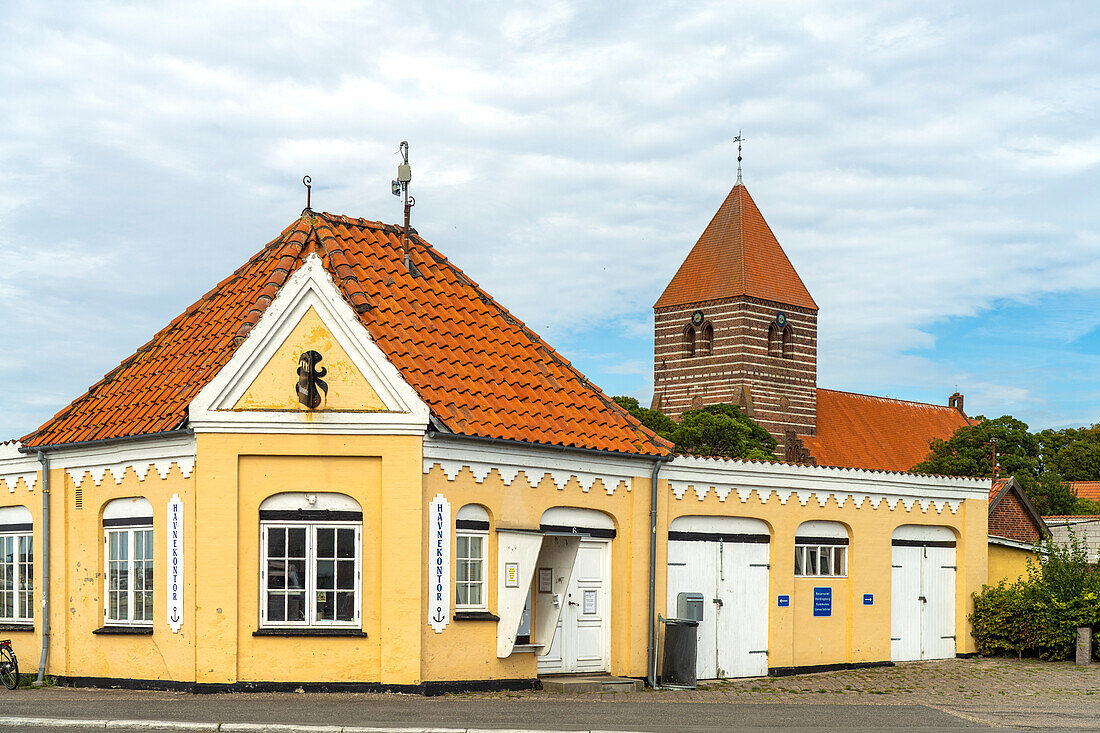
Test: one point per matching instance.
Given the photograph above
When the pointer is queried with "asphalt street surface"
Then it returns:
(405, 711)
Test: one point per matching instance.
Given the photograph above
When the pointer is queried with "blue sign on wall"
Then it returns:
(868, 599)
(823, 601)
(784, 601)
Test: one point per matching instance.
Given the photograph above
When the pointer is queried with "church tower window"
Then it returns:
(708, 339)
(788, 342)
(689, 341)
(774, 345)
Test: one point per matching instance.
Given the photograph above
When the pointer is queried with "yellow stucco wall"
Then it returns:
(77, 591)
(466, 649)
(1007, 563)
(854, 632)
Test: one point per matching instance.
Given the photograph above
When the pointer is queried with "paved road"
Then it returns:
(948, 695)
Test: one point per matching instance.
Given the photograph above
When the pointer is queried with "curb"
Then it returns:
(253, 727)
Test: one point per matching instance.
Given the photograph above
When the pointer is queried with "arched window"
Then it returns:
(708, 339)
(788, 342)
(128, 580)
(16, 565)
(471, 551)
(689, 341)
(821, 549)
(311, 560)
(774, 346)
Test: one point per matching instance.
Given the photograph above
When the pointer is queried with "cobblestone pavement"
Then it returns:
(1008, 692)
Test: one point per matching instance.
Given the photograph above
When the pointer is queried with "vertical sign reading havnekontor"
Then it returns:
(439, 563)
(175, 563)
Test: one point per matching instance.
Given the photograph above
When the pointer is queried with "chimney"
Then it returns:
(956, 401)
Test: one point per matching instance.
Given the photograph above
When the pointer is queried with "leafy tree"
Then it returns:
(1050, 494)
(656, 421)
(714, 430)
(723, 430)
(969, 452)
(1073, 452)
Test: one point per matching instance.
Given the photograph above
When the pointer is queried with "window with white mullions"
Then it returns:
(471, 549)
(311, 575)
(821, 560)
(821, 549)
(16, 578)
(128, 561)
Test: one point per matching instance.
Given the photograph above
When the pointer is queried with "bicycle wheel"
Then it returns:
(9, 668)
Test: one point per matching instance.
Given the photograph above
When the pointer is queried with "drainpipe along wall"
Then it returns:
(45, 576)
(652, 648)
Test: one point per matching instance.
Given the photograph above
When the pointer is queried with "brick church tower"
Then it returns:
(736, 324)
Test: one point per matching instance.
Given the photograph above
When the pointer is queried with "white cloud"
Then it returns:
(916, 162)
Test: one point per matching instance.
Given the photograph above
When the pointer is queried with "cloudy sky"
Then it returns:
(931, 170)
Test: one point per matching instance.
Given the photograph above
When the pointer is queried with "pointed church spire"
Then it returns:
(737, 255)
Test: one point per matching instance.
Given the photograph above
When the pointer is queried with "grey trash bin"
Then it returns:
(680, 650)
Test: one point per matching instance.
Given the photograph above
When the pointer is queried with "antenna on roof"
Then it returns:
(400, 187)
(306, 181)
(738, 140)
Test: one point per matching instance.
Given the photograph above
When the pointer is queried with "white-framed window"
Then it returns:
(821, 550)
(471, 552)
(311, 568)
(128, 561)
(16, 565)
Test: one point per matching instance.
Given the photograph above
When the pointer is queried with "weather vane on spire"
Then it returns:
(738, 140)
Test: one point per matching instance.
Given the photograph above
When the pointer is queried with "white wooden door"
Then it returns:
(743, 612)
(922, 603)
(733, 579)
(582, 639)
(938, 613)
(905, 604)
(693, 568)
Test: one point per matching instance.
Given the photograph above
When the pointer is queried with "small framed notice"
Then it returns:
(511, 575)
(546, 580)
(590, 601)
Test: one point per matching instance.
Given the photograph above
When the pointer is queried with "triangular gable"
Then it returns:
(254, 391)
(1000, 491)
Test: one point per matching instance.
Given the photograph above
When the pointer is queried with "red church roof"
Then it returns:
(737, 255)
(1086, 489)
(863, 431)
(480, 370)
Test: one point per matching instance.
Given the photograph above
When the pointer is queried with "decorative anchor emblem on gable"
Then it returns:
(310, 379)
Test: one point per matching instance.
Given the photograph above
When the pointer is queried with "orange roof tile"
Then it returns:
(863, 431)
(1086, 489)
(995, 489)
(737, 254)
(480, 370)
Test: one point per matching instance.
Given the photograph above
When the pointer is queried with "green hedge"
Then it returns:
(1039, 615)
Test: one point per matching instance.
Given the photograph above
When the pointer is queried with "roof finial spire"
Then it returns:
(306, 181)
(738, 140)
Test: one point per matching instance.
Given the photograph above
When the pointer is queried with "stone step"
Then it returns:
(577, 684)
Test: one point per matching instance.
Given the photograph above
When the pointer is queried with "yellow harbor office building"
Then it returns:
(338, 470)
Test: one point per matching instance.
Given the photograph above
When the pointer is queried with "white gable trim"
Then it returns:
(309, 287)
(141, 456)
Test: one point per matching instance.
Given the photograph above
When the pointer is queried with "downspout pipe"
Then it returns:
(652, 648)
(44, 576)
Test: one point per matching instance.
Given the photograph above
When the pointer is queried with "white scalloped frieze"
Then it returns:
(11, 481)
(141, 469)
(722, 492)
(508, 474)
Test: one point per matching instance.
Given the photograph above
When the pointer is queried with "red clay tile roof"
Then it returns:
(479, 369)
(1086, 489)
(995, 489)
(737, 254)
(862, 431)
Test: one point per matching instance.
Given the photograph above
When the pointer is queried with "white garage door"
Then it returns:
(726, 560)
(922, 598)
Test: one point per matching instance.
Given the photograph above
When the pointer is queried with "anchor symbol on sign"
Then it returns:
(175, 618)
(438, 617)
